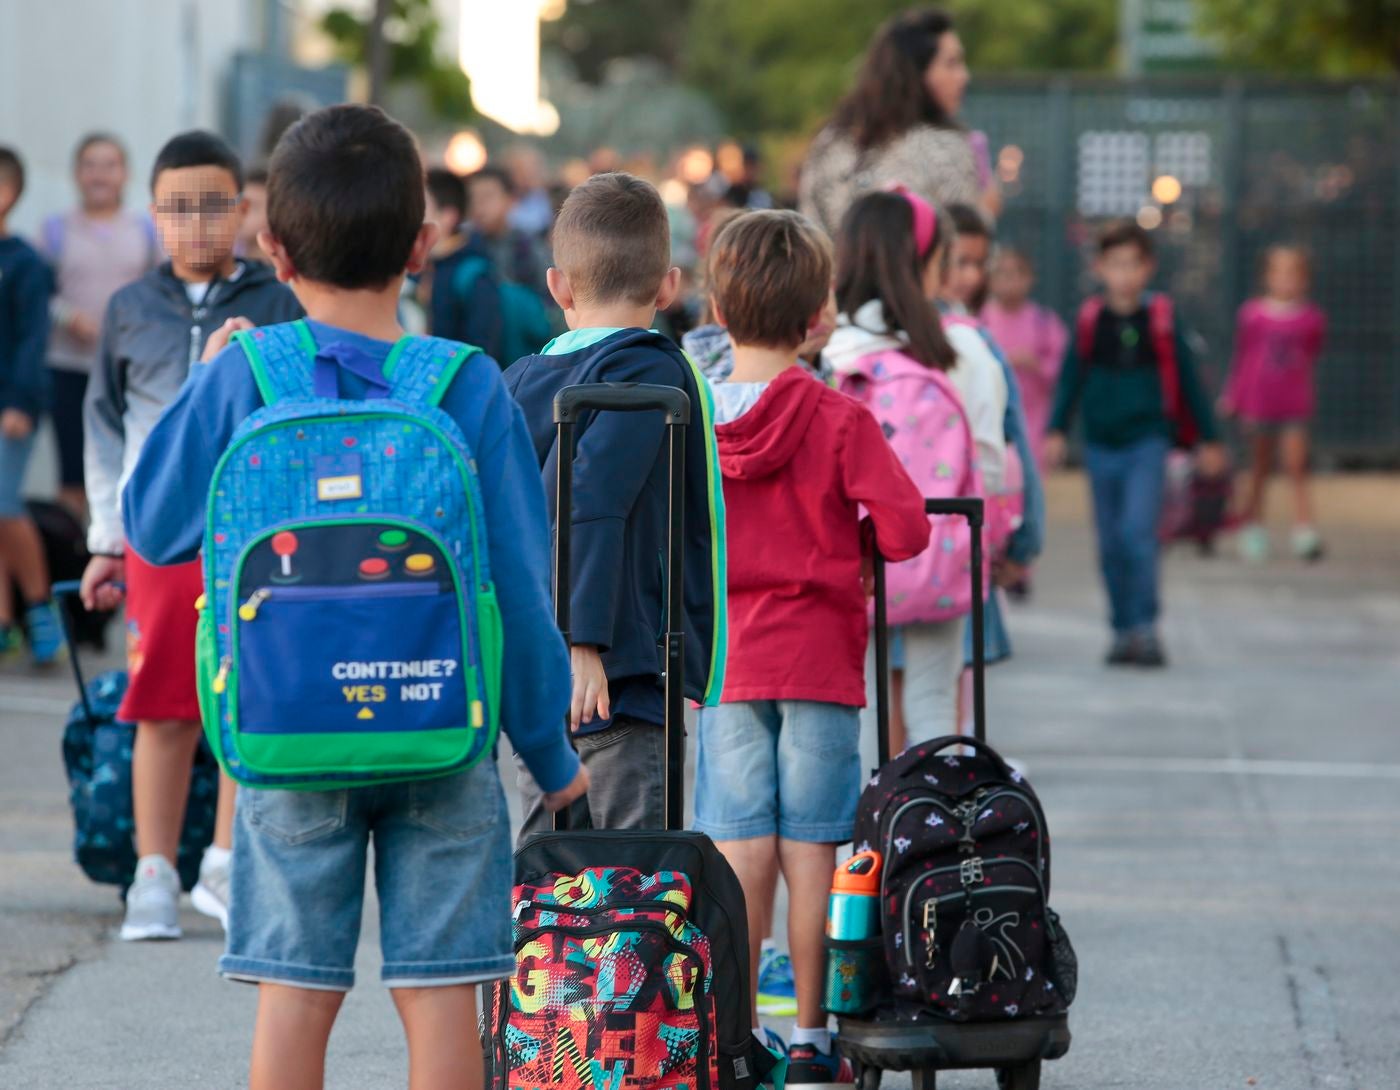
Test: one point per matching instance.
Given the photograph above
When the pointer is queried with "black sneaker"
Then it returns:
(810, 1066)
(1147, 651)
(1121, 653)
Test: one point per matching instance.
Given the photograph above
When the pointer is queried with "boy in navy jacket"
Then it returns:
(345, 223)
(612, 273)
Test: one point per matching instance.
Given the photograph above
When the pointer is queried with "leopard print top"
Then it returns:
(936, 163)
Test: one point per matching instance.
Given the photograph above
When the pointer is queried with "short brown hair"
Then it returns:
(1126, 233)
(769, 272)
(613, 240)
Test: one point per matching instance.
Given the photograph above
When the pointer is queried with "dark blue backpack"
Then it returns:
(97, 757)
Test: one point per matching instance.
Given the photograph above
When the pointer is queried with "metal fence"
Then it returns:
(1255, 163)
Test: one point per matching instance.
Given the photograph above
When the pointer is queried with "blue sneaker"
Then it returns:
(773, 1043)
(777, 992)
(810, 1066)
(45, 633)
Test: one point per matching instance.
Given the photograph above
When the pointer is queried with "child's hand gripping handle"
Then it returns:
(972, 509)
(674, 404)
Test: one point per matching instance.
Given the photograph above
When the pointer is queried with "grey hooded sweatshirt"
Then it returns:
(151, 335)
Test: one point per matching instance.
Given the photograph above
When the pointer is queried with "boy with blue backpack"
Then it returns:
(376, 554)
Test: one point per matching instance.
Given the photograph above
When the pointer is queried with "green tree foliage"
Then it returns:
(593, 32)
(1323, 37)
(413, 31)
(779, 65)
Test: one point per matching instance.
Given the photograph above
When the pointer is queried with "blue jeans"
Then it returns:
(787, 768)
(1127, 484)
(442, 869)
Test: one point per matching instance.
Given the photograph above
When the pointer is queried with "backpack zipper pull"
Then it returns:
(520, 910)
(249, 610)
(221, 678)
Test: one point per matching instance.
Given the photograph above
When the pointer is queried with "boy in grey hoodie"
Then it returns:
(154, 331)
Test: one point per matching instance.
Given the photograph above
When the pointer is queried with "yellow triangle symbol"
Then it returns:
(365, 713)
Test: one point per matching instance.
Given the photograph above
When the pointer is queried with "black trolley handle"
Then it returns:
(61, 592)
(674, 404)
(973, 510)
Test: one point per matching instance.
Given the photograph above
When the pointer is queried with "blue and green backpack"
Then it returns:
(349, 632)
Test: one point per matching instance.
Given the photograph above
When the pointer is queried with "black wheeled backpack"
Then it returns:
(979, 970)
(631, 947)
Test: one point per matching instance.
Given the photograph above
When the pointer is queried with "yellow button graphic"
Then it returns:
(419, 564)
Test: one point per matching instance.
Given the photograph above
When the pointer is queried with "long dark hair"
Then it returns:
(877, 258)
(890, 96)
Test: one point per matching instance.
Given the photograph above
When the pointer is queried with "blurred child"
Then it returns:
(1136, 381)
(779, 771)
(1278, 339)
(154, 331)
(94, 249)
(1032, 337)
(255, 222)
(345, 212)
(893, 355)
(24, 301)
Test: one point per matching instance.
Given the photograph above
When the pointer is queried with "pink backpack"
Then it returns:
(922, 417)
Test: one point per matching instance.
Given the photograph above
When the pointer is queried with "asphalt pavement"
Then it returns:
(1224, 847)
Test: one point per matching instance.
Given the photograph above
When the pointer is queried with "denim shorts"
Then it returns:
(442, 869)
(14, 459)
(784, 767)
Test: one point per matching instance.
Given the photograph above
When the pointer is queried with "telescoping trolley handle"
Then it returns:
(973, 510)
(60, 593)
(674, 404)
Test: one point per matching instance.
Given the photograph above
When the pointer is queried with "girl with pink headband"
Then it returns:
(940, 397)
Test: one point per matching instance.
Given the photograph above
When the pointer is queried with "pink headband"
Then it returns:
(925, 217)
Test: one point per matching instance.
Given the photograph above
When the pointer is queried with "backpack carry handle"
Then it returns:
(938, 745)
(973, 509)
(60, 592)
(622, 397)
(675, 404)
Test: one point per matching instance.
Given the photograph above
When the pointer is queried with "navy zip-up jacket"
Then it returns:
(25, 285)
(620, 514)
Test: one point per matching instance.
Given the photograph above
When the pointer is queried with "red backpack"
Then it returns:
(1161, 328)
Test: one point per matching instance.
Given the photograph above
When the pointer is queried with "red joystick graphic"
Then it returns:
(284, 544)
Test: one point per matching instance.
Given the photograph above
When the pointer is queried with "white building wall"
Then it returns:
(141, 69)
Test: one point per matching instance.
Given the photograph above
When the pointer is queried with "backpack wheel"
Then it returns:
(869, 1078)
(1021, 1077)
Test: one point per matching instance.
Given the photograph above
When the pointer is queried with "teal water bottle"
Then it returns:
(855, 958)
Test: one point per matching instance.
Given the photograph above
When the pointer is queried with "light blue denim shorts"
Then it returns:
(784, 767)
(442, 869)
(14, 458)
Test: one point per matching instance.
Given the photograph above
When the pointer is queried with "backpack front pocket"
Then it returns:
(371, 673)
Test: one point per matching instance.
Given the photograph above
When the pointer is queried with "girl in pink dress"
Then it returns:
(1032, 336)
(1278, 339)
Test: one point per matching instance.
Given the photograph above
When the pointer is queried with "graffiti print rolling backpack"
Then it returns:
(349, 632)
(631, 947)
(980, 972)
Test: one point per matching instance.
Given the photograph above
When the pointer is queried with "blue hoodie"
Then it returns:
(164, 504)
(621, 486)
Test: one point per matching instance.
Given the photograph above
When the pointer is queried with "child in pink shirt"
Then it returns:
(1278, 339)
(1032, 336)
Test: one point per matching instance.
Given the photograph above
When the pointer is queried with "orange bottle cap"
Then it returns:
(858, 874)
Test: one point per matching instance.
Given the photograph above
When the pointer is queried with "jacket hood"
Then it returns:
(860, 334)
(589, 356)
(765, 438)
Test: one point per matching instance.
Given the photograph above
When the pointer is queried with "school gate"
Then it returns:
(1220, 168)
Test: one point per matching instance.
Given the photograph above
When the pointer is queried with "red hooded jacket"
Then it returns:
(798, 469)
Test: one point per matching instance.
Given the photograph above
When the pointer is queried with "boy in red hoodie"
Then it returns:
(779, 765)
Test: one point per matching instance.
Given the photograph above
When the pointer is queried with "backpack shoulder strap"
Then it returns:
(420, 369)
(281, 357)
(1161, 327)
(1084, 324)
(52, 234)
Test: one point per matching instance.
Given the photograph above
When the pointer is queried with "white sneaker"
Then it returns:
(1254, 543)
(1307, 544)
(210, 894)
(152, 902)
